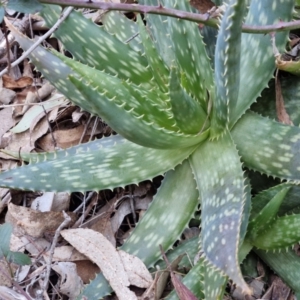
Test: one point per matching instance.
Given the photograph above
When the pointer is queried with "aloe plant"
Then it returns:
(180, 109)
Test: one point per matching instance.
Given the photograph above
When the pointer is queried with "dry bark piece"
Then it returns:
(97, 248)
(35, 223)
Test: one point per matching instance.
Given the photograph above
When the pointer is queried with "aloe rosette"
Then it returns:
(175, 115)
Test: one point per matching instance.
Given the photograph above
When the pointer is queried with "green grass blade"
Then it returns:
(121, 164)
(227, 65)
(267, 146)
(218, 172)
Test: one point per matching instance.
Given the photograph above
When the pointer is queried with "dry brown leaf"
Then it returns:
(5, 277)
(282, 115)
(103, 225)
(6, 120)
(61, 201)
(25, 141)
(10, 83)
(86, 270)
(64, 138)
(136, 270)
(37, 96)
(35, 223)
(97, 248)
(181, 290)
(71, 284)
(65, 253)
(9, 294)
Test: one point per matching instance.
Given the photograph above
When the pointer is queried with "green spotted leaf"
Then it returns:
(267, 146)
(283, 232)
(158, 67)
(129, 33)
(218, 172)
(193, 281)
(227, 65)
(160, 33)
(118, 165)
(267, 215)
(286, 264)
(108, 53)
(188, 114)
(190, 55)
(133, 127)
(258, 63)
(214, 282)
(160, 225)
(289, 205)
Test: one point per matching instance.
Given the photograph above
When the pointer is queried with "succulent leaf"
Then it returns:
(161, 225)
(158, 67)
(267, 146)
(227, 65)
(258, 64)
(133, 127)
(117, 165)
(110, 54)
(188, 114)
(214, 282)
(282, 233)
(190, 55)
(160, 32)
(218, 172)
(114, 20)
(267, 215)
(193, 281)
(286, 264)
(289, 205)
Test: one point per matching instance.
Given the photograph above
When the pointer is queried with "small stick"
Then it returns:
(67, 220)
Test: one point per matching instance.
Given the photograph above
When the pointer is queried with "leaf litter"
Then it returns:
(35, 118)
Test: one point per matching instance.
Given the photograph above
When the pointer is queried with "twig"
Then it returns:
(159, 10)
(64, 15)
(67, 220)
